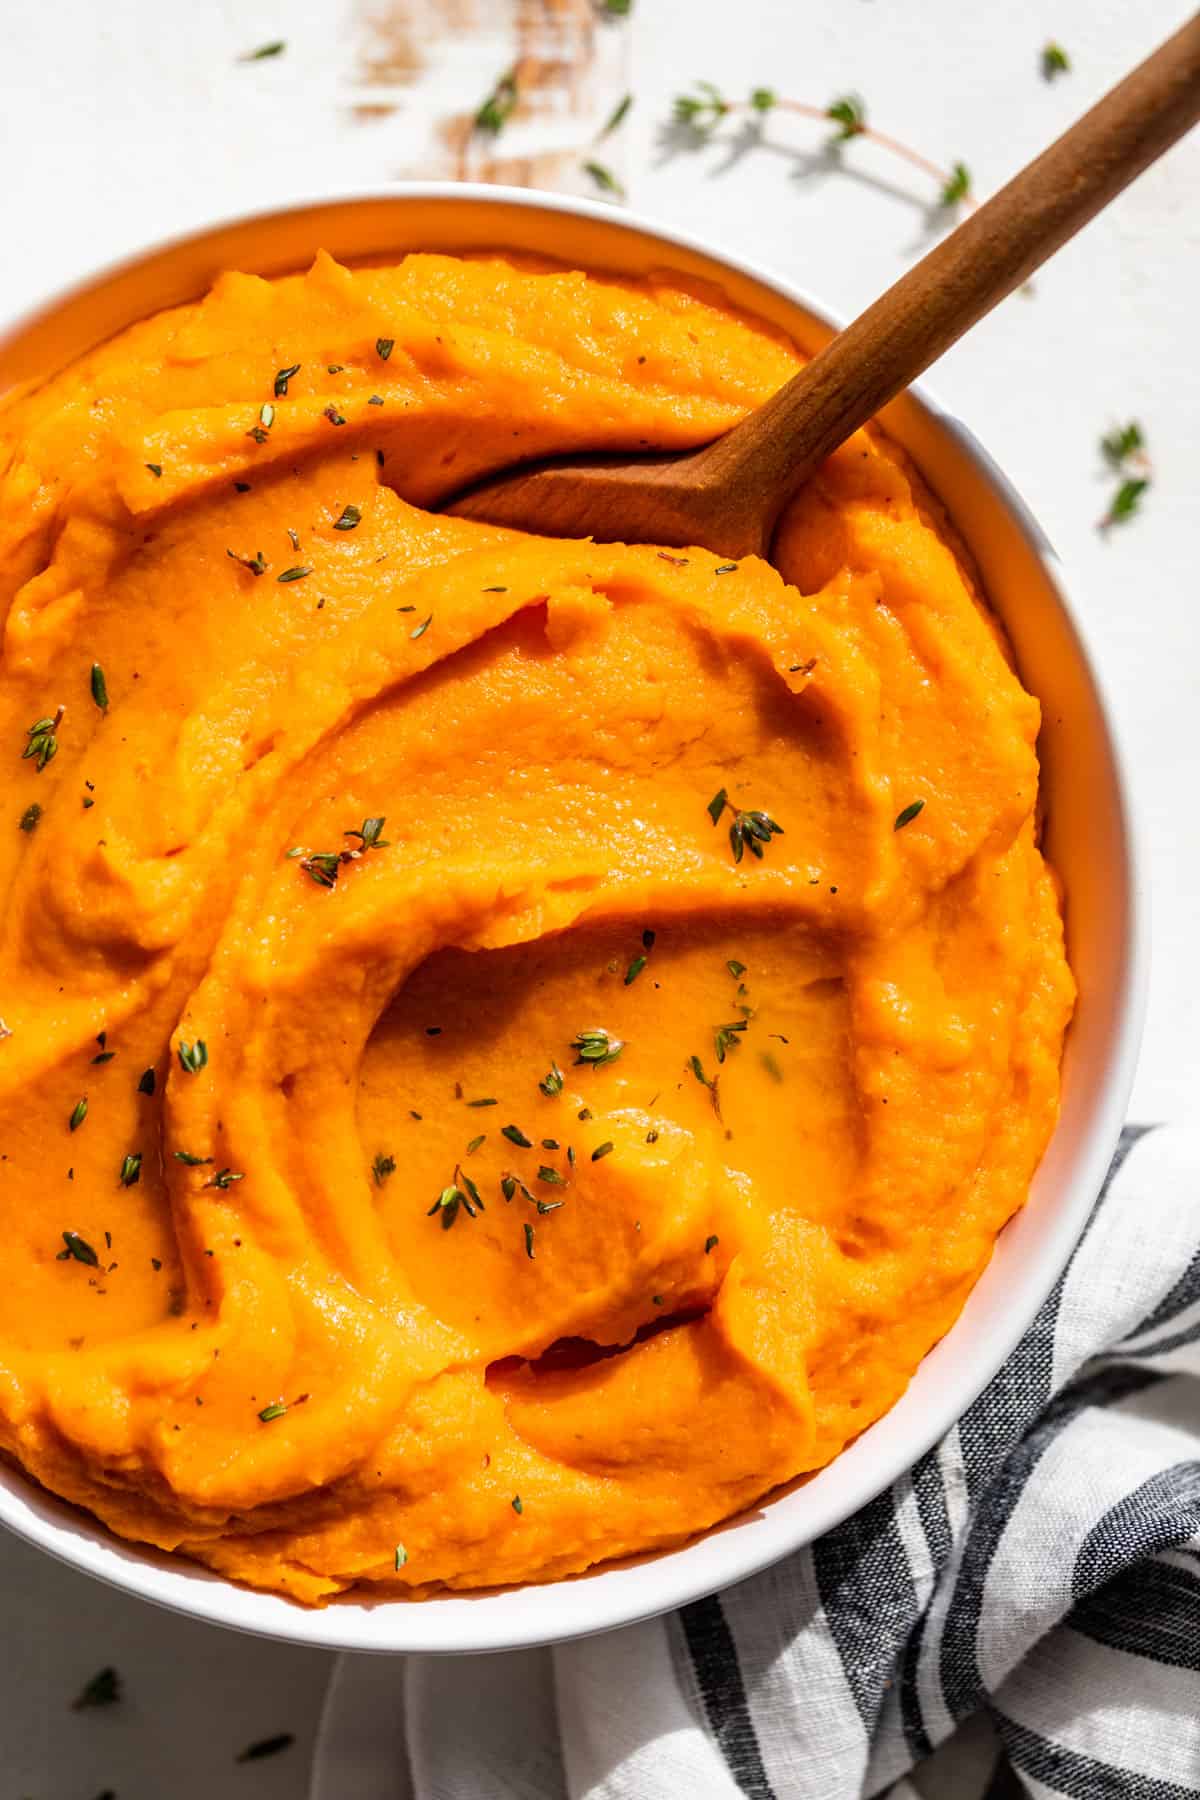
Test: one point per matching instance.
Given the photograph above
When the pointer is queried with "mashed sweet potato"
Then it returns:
(511, 1048)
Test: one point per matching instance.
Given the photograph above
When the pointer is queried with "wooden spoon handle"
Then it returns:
(984, 259)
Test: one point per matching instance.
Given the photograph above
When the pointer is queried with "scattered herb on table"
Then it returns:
(104, 1689)
(267, 1747)
(604, 179)
(1055, 61)
(1124, 451)
(617, 116)
(499, 105)
(276, 48)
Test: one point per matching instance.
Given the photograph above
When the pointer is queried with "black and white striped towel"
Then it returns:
(1020, 1615)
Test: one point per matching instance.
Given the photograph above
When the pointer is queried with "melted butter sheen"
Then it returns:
(709, 1275)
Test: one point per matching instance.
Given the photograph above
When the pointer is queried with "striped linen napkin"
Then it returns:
(1019, 1615)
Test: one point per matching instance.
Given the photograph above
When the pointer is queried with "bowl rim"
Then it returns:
(492, 1620)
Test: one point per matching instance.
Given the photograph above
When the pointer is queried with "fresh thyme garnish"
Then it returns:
(515, 1135)
(384, 348)
(43, 741)
(257, 564)
(527, 1228)
(99, 687)
(585, 1112)
(604, 179)
(597, 1047)
(849, 114)
(104, 1689)
(79, 1248)
(193, 1162)
(602, 1150)
(635, 968)
(401, 1556)
(617, 116)
(1055, 61)
(726, 569)
(382, 1167)
(282, 377)
(192, 1057)
(552, 1083)
(322, 866)
(30, 817)
(293, 537)
(475, 1142)
(368, 836)
(349, 519)
(448, 1203)
(1126, 501)
(131, 1169)
(271, 1746)
(508, 1186)
(333, 415)
(680, 562)
(750, 830)
(146, 1082)
(736, 969)
(516, 1504)
(551, 1176)
(276, 1410)
(496, 110)
(335, 368)
(1124, 450)
(78, 1113)
(295, 574)
(771, 1065)
(225, 1178)
(958, 186)
(697, 1068)
(704, 109)
(265, 50)
(156, 470)
(907, 815)
(420, 630)
(725, 1038)
(710, 1244)
(485, 1101)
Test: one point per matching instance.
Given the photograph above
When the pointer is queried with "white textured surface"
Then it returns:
(127, 122)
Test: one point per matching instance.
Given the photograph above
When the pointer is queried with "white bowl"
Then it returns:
(1089, 839)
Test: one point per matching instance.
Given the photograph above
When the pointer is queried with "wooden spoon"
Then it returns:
(728, 495)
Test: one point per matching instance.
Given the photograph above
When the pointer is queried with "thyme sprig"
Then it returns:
(324, 866)
(43, 740)
(751, 830)
(1124, 451)
(704, 108)
(596, 1047)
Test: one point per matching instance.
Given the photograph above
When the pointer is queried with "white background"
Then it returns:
(131, 120)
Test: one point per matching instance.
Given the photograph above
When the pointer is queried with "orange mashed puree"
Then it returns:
(429, 1154)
